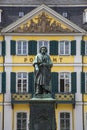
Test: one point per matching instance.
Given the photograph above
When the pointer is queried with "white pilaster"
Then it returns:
(78, 117)
(7, 117)
(78, 95)
(8, 85)
(8, 57)
(78, 57)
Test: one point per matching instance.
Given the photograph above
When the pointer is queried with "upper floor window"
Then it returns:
(22, 47)
(64, 48)
(65, 82)
(43, 43)
(22, 82)
(65, 121)
(21, 121)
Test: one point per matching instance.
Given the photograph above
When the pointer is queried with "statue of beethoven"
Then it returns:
(42, 64)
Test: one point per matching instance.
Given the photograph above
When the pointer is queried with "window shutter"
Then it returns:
(82, 47)
(73, 47)
(53, 47)
(32, 47)
(13, 47)
(3, 48)
(54, 80)
(13, 82)
(31, 82)
(82, 82)
(3, 82)
(73, 82)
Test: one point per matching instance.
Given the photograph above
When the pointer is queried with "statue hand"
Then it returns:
(42, 64)
(37, 68)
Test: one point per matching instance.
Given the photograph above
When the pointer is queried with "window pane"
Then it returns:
(66, 47)
(61, 47)
(61, 85)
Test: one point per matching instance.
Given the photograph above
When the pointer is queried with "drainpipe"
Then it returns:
(3, 93)
(82, 93)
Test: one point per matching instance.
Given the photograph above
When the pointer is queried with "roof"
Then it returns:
(43, 8)
(39, 2)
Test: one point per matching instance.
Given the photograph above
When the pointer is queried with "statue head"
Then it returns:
(43, 50)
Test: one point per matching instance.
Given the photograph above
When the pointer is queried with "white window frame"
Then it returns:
(15, 119)
(65, 89)
(65, 111)
(21, 47)
(38, 46)
(0, 48)
(63, 42)
(0, 120)
(0, 82)
(22, 82)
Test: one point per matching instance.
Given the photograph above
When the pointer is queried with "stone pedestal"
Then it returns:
(42, 114)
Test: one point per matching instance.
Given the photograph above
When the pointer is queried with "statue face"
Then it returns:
(43, 50)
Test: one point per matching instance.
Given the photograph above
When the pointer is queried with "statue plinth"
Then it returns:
(42, 114)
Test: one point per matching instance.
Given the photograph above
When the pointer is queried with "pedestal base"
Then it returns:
(42, 115)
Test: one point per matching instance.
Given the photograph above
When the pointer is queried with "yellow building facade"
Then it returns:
(66, 46)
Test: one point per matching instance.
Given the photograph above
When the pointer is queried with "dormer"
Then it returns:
(85, 16)
(0, 15)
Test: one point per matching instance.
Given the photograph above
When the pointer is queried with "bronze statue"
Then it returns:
(42, 64)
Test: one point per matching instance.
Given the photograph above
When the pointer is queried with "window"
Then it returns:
(21, 14)
(22, 82)
(65, 14)
(22, 47)
(64, 48)
(65, 121)
(21, 121)
(43, 43)
(65, 82)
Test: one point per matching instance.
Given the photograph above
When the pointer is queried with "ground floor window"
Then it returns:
(21, 123)
(65, 121)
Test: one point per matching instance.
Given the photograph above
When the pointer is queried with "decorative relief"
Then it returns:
(65, 97)
(43, 24)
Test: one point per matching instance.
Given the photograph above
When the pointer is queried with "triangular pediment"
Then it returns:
(43, 20)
